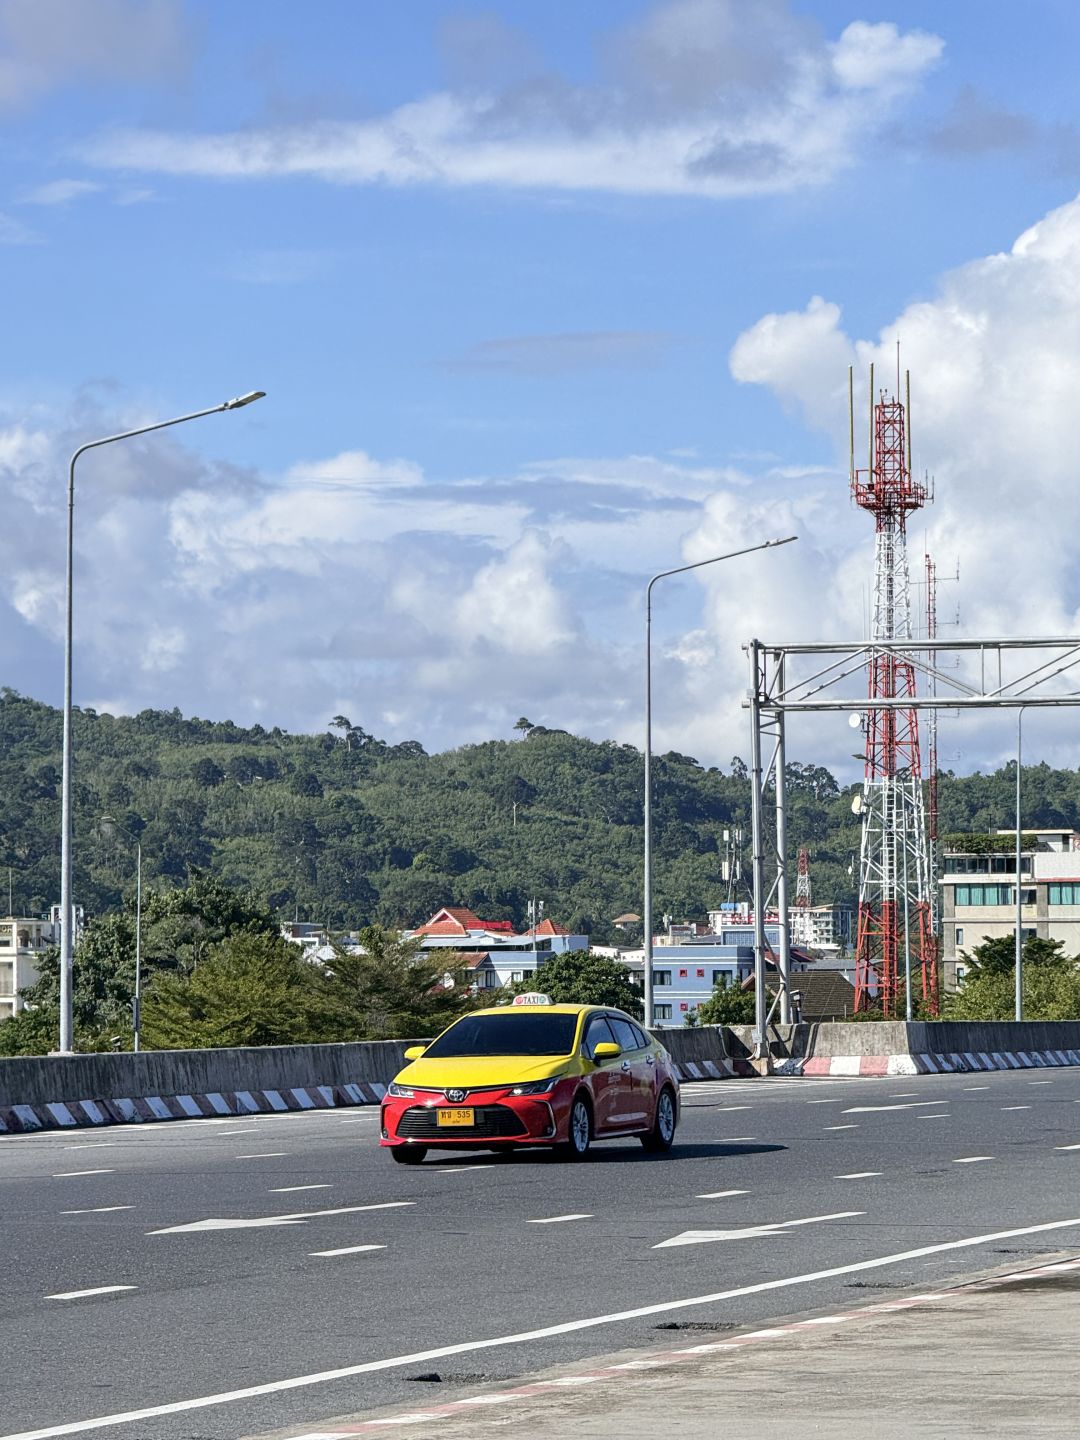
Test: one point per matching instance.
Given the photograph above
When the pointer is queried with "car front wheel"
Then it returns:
(579, 1132)
(408, 1154)
(662, 1134)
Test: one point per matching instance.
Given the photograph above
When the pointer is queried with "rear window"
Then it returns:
(510, 1034)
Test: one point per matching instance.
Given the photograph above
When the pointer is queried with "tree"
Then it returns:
(391, 989)
(345, 725)
(727, 1006)
(1051, 992)
(523, 725)
(997, 956)
(581, 978)
(252, 989)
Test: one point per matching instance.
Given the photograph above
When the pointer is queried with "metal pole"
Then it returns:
(757, 844)
(137, 1005)
(779, 777)
(647, 937)
(1019, 913)
(907, 930)
(66, 906)
(647, 905)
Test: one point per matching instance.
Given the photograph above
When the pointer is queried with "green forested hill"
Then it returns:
(344, 829)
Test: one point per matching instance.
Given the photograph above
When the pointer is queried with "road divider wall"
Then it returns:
(48, 1092)
(44, 1092)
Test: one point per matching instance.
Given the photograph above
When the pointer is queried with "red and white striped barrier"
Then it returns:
(68, 1114)
(953, 1063)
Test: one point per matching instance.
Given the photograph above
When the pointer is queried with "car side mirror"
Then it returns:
(606, 1050)
(414, 1052)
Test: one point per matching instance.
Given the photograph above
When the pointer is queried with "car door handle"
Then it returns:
(626, 1064)
(650, 1059)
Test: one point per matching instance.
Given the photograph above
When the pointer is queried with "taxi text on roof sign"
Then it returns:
(532, 997)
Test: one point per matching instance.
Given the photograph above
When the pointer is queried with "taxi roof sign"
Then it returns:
(532, 997)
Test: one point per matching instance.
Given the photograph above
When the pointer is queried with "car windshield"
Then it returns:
(515, 1033)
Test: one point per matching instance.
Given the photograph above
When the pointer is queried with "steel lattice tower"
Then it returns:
(802, 883)
(894, 868)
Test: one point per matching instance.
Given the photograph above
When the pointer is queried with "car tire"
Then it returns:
(662, 1135)
(579, 1131)
(408, 1154)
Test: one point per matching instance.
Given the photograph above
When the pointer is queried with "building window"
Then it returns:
(959, 934)
(985, 895)
(1065, 894)
(516, 975)
(661, 1012)
(701, 975)
(661, 977)
(683, 974)
(720, 977)
(960, 973)
(684, 1005)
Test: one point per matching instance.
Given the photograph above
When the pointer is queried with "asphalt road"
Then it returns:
(783, 1195)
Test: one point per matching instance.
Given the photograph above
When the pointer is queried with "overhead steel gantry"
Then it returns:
(778, 687)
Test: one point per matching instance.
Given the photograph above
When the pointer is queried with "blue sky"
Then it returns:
(507, 273)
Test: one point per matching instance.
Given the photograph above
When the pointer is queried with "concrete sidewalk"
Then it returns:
(993, 1357)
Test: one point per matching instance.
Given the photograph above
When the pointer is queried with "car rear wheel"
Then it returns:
(579, 1132)
(662, 1134)
(408, 1154)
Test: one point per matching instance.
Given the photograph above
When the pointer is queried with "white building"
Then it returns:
(22, 940)
(821, 927)
(493, 951)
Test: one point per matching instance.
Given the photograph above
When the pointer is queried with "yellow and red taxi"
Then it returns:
(532, 1073)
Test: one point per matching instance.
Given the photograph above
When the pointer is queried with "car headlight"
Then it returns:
(400, 1092)
(536, 1087)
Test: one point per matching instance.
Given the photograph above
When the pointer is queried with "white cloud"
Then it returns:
(61, 192)
(995, 364)
(714, 98)
(45, 44)
(14, 232)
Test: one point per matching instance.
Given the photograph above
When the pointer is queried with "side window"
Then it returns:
(643, 1040)
(624, 1034)
(596, 1032)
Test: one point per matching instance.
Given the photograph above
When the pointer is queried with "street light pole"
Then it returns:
(1019, 913)
(136, 1004)
(647, 905)
(66, 909)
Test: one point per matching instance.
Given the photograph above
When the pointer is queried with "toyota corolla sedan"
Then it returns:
(532, 1073)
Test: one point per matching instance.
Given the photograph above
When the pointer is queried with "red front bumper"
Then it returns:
(499, 1118)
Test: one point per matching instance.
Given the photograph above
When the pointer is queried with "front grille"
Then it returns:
(491, 1122)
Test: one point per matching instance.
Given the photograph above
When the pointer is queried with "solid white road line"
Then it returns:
(859, 1175)
(347, 1250)
(287, 1189)
(81, 1294)
(973, 1159)
(721, 1194)
(264, 1155)
(98, 1210)
(527, 1337)
(557, 1219)
(69, 1174)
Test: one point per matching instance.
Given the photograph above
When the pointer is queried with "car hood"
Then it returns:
(471, 1072)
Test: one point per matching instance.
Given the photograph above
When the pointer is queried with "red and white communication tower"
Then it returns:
(802, 883)
(895, 929)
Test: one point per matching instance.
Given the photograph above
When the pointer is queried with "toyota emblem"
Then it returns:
(456, 1095)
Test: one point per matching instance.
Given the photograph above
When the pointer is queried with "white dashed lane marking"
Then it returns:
(859, 1175)
(841, 1127)
(721, 1194)
(264, 1155)
(1016, 1107)
(288, 1189)
(557, 1219)
(1067, 1147)
(69, 1174)
(973, 1159)
(347, 1250)
(98, 1210)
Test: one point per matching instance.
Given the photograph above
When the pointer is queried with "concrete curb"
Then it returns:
(69, 1114)
(949, 1064)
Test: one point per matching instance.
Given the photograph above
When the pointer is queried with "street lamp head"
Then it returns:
(242, 400)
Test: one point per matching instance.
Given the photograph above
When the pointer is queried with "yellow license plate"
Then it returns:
(456, 1117)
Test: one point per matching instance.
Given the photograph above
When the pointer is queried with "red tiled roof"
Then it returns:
(547, 927)
(473, 959)
(441, 927)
